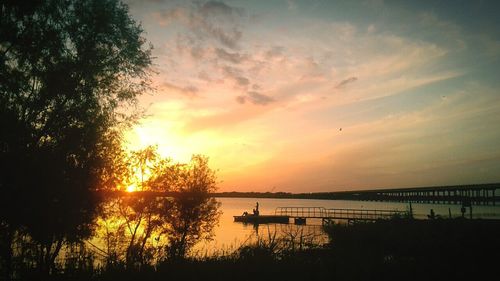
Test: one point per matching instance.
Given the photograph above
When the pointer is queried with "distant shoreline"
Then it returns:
(277, 195)
(270, 195)
(484, 194)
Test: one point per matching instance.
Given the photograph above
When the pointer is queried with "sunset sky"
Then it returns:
(306, 96)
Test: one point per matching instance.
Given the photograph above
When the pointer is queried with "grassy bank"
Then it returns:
(385, 250)
(416, 249)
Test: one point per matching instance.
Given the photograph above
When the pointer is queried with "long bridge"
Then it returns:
(475, 194)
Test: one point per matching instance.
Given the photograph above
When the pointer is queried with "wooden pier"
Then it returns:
(301, 214)
(262, 219)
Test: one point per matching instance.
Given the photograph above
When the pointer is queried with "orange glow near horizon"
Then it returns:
(171, 144)
(138, 179)
(232, 154)
(131, 188)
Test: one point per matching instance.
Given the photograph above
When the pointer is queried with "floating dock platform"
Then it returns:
(300, 215)
(262, 219)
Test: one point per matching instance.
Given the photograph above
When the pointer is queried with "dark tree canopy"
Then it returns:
(67, 70)
(185, 218)
(194, 213)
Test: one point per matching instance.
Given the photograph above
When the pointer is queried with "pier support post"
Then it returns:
(300, 220)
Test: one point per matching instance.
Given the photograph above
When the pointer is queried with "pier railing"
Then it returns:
(301, 212)
(341, 214)
(361, 214)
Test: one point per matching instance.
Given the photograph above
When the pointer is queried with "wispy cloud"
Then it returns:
(235, 75)
(216, 8)
(344, 82)
(255, 98)
(189, 91)
(211, 20)
(274, 52)
(230, 57)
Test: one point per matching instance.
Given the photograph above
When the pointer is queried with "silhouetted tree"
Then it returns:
(129, 229)
(67, 68)
(145, 227)
(193, 213)
(127, 221)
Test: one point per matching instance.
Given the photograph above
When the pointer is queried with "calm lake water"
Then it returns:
(113, 232)
(229, 235)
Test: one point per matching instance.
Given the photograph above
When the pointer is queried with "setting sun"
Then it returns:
(131, 188)
(140, 172)
(171, 144)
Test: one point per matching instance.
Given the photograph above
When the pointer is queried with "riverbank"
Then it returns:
(399, 249)
(440, 249)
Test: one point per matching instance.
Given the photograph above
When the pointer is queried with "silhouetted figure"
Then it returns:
(432, 215)
(256, 210)
(410, 211)
(245, 213)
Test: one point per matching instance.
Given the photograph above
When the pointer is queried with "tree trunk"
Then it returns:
(128, 257)
(6, 253)
(54, 255)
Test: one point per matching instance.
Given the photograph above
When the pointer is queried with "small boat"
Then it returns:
(257, 219)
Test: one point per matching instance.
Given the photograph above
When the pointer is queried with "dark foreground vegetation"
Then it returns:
(399, 249)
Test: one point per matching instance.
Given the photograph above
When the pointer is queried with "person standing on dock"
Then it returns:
(432, 215)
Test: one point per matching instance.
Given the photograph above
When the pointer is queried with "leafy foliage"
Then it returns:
(170, 212)
(194, 212)
(68, 67)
